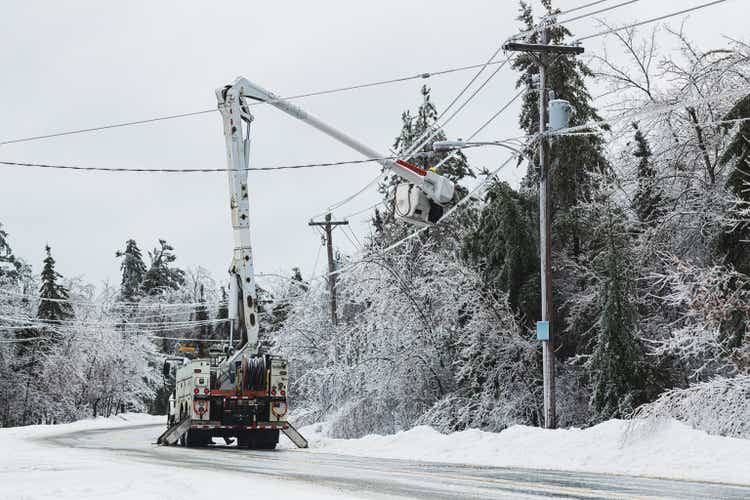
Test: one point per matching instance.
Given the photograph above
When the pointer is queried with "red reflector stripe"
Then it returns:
(411, 167)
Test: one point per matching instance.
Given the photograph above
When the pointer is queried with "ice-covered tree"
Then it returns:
(576, 158)
(617, 361)
(161, 276)
(53, 306)
(503, 246)
(419, 129)
(133, 271)
(648, 198)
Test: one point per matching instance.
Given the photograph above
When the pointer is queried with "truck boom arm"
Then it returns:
(438, 188)
(237, 120)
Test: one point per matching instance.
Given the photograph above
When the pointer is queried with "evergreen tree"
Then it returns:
(648, 198)
(10, 266)
(414, 130)
(732, 245)
(574, 159)
(503, 246)
(616, 365)
(160, 276)
(133, 272)
(425, 123)
(53, 306)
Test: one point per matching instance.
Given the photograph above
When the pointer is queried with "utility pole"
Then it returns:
(328, 226)
(544, 327)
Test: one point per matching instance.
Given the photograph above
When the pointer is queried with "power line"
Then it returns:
(589, 14)
(115, 305)
(648, 21)
(106, 127)
(364, 209)
(424, 75)
(555, 24)
(192, 170)
(580, 7)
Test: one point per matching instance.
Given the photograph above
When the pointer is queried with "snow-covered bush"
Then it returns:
(419, 340)
(720, 406)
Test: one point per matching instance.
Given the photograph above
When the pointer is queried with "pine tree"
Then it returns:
(133, 272)
(574, 160)
(11, 267)
(732, 245)
(616, 365)
(426, 122)
(503, 245)
(160, 276)
(414, 130)
(53, 306)
(648, 198)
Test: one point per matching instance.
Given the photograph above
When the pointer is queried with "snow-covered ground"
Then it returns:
(667, 449)
(31, 468)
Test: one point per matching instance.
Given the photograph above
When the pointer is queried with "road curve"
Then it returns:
(384, 478)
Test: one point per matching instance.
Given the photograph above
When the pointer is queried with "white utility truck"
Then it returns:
(239, 392)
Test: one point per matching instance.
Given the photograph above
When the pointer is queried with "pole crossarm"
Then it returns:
(332, 223)
(542, 48)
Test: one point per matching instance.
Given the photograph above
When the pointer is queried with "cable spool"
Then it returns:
(255, 374)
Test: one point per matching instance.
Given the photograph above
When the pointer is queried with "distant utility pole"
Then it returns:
(540, 53)
(328, 226)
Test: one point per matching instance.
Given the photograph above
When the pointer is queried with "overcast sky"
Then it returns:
(77, 64)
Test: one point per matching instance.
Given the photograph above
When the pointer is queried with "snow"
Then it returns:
(663, 448)
(31, 468)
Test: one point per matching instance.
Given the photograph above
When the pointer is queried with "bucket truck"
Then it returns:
(242, 394)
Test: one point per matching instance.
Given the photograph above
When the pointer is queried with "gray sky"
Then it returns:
(77, 64)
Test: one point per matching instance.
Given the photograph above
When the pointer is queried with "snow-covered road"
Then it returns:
(120, 462)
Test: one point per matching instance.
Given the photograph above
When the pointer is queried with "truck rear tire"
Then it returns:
(258, 440)
(266, 440)
(196, 438)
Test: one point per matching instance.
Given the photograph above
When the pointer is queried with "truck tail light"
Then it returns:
(196, 390)
(206, 391)
(283, 393)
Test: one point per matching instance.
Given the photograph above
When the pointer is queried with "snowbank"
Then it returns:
(664, 448)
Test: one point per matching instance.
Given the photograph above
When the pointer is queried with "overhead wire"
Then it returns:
(648, 21)
(192, 170)
(580, 7)
(547, 24)
(423, 75)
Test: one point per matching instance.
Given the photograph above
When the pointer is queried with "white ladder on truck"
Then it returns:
(174, 433)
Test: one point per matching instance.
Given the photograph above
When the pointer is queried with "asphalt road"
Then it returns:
(383, 478)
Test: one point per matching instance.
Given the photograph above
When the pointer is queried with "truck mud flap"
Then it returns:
(174, 433)
(294, 435)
